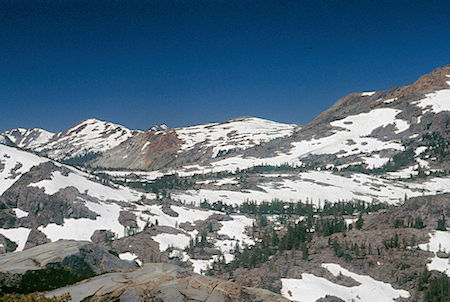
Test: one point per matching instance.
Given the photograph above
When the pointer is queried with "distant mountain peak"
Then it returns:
(158, 127)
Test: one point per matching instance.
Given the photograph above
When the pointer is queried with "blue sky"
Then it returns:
(140, 63)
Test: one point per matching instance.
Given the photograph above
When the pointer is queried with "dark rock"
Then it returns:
(6, 245)
(36, 238)
(162, 282)
(330, 299)
(127, 219)
(166, 209)
(102, 236)
(56, 264)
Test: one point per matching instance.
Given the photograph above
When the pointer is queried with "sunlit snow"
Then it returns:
(311, 288)
(439, 242)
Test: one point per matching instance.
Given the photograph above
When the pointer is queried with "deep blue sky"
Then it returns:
(139, 63)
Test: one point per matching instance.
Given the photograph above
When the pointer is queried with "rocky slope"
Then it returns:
(386, 255)
(365, 129)
(162, 282)
(56, 264)
(369, 148)
(192, 145)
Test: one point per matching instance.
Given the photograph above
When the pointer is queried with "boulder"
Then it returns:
(35, 238)
(56, 264)
(162, 282)
(6, 245)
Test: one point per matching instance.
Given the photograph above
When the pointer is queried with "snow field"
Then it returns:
(436, 102)
(17, 235)
(84, 185)
(90, 135)
(311, 288)
(233, 134)
(439, 241)
(130, 257)
(84, 228)
(323, 185)
(10, 158)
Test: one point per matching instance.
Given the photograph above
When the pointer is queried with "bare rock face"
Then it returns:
(6, 245)
(42, 208)
(56, 264)
(330, 299)
(127, 219)
(102, 236)
(36, 238)
(162, 282)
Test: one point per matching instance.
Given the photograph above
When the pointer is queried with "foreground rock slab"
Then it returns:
(56, 264)
(162, 282)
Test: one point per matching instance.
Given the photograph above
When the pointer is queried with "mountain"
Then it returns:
(104, 144)
(28, 138)
(44, 201)
(353, 203)
(368, 129)
(4, 140)
(178, 147)
(89, 137)
(362, 129)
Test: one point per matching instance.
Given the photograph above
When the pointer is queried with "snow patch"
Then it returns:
(311, 288)
(439, 241)
(17, 235)
(20, 213)
(435, 102)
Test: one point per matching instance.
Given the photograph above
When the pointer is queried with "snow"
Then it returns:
(435, 102)
(404, 173)
(235, 228)
(364, 123)
(200, 265)
(184, 215)
(374, 161)
(420, 149)
(323, 185)
(439, 241)
(349, 221)
(237, 133)
(91, 135)
(145, 145)
(226, 181)
(29, 138)
(84, 228)
(355, 129)
(10, 158)
(17, 235)
(171, 240)
(311, 288)
(130, 257)
(20, 213)
(368, 93)
(79, 181)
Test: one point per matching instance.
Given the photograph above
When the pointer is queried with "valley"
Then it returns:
(354, 203)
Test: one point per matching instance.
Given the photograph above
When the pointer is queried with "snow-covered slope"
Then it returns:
(235, 134)
(61, 202)
(180, 147)
(365, 129)
(14, 163)
(28, 138)
(311, 288)
(89, 136)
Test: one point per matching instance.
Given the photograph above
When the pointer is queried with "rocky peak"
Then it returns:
(160, 127)
(436, 80)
